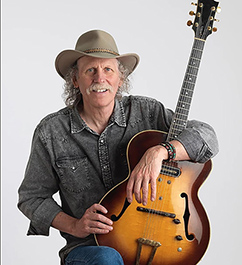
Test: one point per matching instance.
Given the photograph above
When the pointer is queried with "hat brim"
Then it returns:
(67, 58)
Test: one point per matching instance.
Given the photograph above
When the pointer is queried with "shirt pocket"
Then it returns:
(74, 173)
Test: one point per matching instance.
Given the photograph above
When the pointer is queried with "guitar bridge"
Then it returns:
(148, 242)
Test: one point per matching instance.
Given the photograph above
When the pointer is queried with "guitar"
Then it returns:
(174, 229)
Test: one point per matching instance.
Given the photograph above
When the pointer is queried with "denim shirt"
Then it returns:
(70, 158)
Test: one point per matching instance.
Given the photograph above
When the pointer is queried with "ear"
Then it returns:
(120, 82)
(74, 81)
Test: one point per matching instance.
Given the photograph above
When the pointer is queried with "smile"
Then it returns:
(100, 90)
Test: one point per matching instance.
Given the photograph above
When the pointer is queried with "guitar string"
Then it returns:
(161, 199)
(162, 202)
(165, 199)
(154, 220)
(149, 232)
(194, 62)
(149, 219)
(185, 97)
(149, 229)
(156, 206)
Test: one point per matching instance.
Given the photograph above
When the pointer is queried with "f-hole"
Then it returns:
(186, 217)
(125, 206)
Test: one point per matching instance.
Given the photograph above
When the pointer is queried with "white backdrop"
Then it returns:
(34, 32)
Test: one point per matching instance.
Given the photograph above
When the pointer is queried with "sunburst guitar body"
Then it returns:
(174, 229)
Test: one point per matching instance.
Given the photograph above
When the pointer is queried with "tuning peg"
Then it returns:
(189, 23)
(215, 29)
(219, 9)
(194, 4)
(191, 13)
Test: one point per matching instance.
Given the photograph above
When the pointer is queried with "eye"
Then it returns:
(108, 69)
(90, 70)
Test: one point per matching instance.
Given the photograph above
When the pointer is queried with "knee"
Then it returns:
(109, 256)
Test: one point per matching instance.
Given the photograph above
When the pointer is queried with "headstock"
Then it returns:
(204, 18)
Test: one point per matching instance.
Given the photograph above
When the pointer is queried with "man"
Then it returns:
(79, 151)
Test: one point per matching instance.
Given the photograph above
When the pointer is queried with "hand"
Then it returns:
(92, 222)
(145, 173)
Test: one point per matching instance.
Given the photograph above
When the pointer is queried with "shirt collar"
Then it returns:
(118, 117)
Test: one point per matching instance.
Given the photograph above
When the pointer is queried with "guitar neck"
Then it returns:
(180, 117)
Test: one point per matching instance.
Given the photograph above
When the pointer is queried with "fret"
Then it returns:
(176, 131)
(194, 62)
(183, 108)
(183, 105)
(180, 117)
(183, 113)
(196, 54)
(179, 124)
(190, 78)
(186, 99)
(192, 71)
(187, 92)
(188, 85)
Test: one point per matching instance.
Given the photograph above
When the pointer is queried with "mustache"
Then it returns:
(96, 87)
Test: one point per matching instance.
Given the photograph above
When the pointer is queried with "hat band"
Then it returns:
(101, 50)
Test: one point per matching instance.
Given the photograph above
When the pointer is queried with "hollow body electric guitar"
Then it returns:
(174, 229)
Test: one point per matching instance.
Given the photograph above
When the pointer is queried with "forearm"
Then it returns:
(64, 223)
(181, 153)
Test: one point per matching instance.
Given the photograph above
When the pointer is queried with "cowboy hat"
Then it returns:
(94, 43)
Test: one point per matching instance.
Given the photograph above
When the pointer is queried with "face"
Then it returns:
(98, 80)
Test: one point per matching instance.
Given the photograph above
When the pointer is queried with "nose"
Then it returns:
(99, 76)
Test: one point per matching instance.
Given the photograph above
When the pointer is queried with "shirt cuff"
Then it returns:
(195, 145)
(43, 217)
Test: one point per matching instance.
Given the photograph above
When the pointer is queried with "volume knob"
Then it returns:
(176, 221)
(179, 238)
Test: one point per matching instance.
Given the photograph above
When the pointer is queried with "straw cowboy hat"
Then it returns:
(94, 43)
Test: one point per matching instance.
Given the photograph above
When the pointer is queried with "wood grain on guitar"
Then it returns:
(173, 229)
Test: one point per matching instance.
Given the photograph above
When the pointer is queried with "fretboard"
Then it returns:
(180, 117)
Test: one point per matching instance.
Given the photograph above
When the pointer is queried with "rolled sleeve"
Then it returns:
(199, 140)
(43, 217)
(38, 187)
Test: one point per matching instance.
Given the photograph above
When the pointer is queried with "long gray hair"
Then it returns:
(72, 95)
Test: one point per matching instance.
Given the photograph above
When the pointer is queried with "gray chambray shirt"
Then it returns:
(70, 158)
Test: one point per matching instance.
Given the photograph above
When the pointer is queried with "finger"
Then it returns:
(96, 227)
(153, 189)
(98, 208)
(98, 212)
(137, 190)
(145, 188)
(101, 226)
(129, 189)
(100, 231)
(103, 219)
